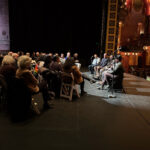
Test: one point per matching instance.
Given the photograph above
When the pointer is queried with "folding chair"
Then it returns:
(67, 86)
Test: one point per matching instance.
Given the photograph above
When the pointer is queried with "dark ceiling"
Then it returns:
(43, 25)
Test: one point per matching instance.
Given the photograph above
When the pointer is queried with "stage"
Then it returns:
(93, 122)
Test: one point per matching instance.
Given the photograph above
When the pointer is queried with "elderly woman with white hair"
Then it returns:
(24, 72)
(8, 68)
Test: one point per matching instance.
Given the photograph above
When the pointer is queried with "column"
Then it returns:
(4, 26)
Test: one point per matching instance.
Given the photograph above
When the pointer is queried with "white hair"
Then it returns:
(8, 60)
(24, 62)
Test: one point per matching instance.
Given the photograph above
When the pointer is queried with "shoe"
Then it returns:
(101, 87)
(83, 93)
(107, 86)
(98, 83)
(92, 81)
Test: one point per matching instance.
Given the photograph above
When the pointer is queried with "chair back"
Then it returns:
(67, 86)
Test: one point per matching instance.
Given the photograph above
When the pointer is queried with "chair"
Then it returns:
(67, 86)
(117, 84)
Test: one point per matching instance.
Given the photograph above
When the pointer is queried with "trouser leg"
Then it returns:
(82, 86)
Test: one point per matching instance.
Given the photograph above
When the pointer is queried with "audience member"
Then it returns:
(95, 62)
(62, 58)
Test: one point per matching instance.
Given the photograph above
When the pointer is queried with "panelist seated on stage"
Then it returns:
(95, 62)
(116, 71)
(102, 64)
(107, 67)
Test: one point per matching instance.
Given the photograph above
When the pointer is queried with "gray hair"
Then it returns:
(8, 60)
(24, 62)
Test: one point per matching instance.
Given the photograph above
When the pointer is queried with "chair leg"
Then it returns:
(76, 89)
(71, 92)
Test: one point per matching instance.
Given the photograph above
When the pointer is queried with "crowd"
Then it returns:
(106, 70)
(24, 75)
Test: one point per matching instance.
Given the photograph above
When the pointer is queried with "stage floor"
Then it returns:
(93, 122)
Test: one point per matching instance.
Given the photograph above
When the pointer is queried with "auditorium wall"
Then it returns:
(4, 26)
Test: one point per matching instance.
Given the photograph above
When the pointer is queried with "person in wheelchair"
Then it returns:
(115, 72)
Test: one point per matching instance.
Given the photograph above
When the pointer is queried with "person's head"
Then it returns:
(24, 62)
(50, 54)
(37, 54)
(33, 54)
(62, 55)
(56, 54)
(15, 56)
(68, 54)
(28, 54)
(105, 55)
(56, 59)
(111, 57)
(75, 55)
(68, 64)
(118, 58)
(10, 53)
(95, 55)
(48, 60)
(8, 60)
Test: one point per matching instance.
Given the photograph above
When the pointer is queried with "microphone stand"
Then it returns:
(112, 95)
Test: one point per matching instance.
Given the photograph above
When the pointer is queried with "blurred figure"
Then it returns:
(62, 58)
(76, 60)
(28, 54)
(95, 63)
(10, 53)
(102, 64)
(68, 55)
(55, 65)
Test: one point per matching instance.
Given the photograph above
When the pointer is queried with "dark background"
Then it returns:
(55, 26)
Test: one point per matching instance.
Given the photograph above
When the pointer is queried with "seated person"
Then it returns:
(76, 60)
(24, 73)
(8, 68)
(116, 71)
(109, 65)
(68, 55)
(56, 64)
(70, 67)
(95, 63)
(102, 64)
(62, 58)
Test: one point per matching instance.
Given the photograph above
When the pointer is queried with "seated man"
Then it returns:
(103, 63)
(116, 71)
(95, 62)
(107, 67)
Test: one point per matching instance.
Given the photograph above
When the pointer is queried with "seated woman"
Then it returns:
(116, 71)
(24, 73)
(70, 67)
